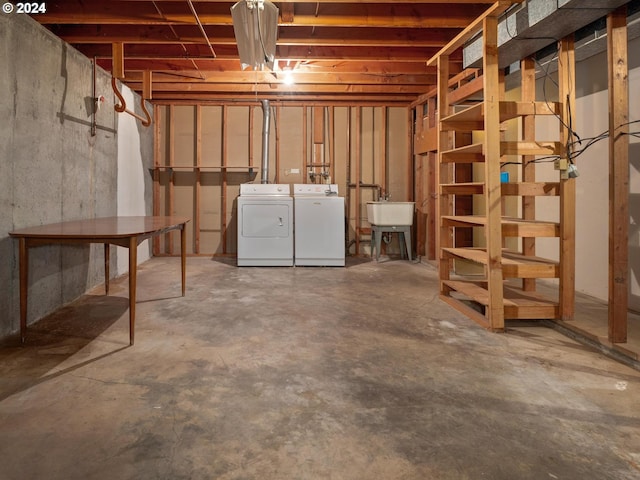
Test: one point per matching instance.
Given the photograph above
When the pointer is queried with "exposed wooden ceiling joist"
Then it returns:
(341, 50)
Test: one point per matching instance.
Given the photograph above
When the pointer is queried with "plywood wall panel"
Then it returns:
(290, 127)
(211, 136)
(237, 136)
(184, 137)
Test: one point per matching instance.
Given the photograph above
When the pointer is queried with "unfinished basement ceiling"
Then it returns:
(338, 50)
(358, 51)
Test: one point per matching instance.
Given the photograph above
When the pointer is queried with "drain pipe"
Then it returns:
(266, 120)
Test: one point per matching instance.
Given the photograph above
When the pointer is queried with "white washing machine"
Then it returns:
(265, 225)
(319, 225)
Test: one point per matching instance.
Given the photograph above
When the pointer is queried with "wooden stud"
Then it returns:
(172, 157)
(431, 191)
(444, 172)
(117, 60)
(618, 67)
(357, 160)
(157, 142)
(251, 115)
(277, 160)
(332, 143)
(384, 164)
(305, 150)
(567, 97)
(528, 74)
(410, 160)
(223, 176)
(198, 186)
(493, 229)
(147, 85)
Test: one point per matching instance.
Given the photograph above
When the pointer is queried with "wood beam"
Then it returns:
(117, 60)
(567, 97)
(400, 15)
(528, 81)
(618, 69)
(492, 194)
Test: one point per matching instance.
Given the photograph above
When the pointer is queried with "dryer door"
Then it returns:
(265, 220)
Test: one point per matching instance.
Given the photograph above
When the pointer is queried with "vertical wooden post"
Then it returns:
(157, 141)
(567, 98)
(411, 160)
(251, 115)
(492, 194)
(332, 144)
(432, 186)
(358, 154)
(172, 157)
(305, 150)
(117, 60)
(277, 146)
(617, 57)
(444, 172)
(147, 84)
(197, 193)
(528, 71)
(223, 185)
(384, 162)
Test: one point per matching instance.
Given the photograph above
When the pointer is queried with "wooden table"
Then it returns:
(126, 232)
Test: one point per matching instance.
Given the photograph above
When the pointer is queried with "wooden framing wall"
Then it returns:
(204, 152)
(429, 138)
(490, 298)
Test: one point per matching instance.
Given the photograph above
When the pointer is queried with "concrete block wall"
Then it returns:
(52, 168)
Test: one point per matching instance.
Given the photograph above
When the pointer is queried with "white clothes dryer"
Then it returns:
(265, 225)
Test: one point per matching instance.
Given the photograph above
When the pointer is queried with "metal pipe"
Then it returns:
(266, 120)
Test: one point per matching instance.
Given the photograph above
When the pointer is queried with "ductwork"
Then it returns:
(266, 120)
(534, 24)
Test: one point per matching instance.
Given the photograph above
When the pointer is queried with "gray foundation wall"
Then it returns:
(52, 168)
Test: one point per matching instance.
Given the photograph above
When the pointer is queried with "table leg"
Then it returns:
(183, 254)
(107, 254)
(133, 265)
(24, 284)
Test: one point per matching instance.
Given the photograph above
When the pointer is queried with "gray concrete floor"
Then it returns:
(306, 373)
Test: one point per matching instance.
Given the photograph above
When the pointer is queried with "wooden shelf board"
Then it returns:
(517, 304)
(467, 188)
(466, 154)
(514, 264)
(472, 118)
(511, 227)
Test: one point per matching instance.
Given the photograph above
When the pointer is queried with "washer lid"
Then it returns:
(315, 190)
(265, 189)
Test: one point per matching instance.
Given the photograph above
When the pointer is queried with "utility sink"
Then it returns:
(390, 213)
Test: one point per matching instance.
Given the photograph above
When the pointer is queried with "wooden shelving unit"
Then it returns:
(506, 286)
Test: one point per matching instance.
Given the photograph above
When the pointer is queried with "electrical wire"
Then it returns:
(572, 153)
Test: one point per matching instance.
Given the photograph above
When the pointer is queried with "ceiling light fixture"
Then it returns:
(255, 25)
(287, 77)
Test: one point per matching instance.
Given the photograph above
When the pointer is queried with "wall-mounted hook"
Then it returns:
(122, 106)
